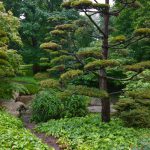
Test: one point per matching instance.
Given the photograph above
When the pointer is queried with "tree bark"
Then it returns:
(105, 113)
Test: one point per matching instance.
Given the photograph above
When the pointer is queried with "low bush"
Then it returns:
(75, 106)
(134, 112)
(14, 136)
(46, 105)
(50, 104)
(88, 133)
(134, 105)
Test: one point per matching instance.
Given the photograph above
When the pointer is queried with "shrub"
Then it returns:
(134, 112)
(75, 106)
(45, 106)
(50, 104)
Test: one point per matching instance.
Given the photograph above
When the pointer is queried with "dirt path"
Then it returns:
(50, 141)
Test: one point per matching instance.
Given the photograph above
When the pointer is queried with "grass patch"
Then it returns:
(88, 133)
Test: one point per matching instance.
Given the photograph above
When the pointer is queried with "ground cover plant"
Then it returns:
(87, 133)
(15, 136)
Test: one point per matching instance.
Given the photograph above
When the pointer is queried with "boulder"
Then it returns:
(14, 108)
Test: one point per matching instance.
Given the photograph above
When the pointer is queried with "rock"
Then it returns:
(15, 95)
(27, 99)
(97, 109)
(95, 102)
(14, 108)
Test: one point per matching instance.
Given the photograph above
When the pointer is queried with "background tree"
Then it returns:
(34, 16)
(9, 59)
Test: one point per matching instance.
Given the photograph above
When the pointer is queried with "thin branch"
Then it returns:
(126, 79)
(98, 28)
(95, 1)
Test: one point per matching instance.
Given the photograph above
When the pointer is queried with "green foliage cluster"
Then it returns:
(88, 91)
(29, 83)
(46, 105)
(120, 38)
(26, 70)
(41, 76)
(83, 4)
(139, 66)
(134, 112)
(88, 133)
(15, 136)
(56, 70)
(70, 75)
(101, 64)
(142, 31)
(50, 45)
(65, 27)
(49, 83)
(89, 53)
(63, 59)
(49, 104)
(58, 33)
(134, 106)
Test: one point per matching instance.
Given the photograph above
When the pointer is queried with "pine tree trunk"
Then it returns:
(103, 81)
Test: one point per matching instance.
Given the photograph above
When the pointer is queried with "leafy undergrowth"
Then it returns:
(88, 133)
(14, 137)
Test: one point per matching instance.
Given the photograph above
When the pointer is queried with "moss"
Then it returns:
(67, 27)
(101, 64)
(120, 38)
(142, 31)
(50, 45)
(58, 33)
(139, 66)
(71, 74)
(49, 83)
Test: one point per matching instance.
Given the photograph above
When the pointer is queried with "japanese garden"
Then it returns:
(74, 75)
